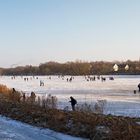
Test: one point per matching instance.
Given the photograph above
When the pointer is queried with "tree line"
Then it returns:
(74, 68)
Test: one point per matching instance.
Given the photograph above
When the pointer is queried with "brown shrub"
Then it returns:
(4, 89)
(49, 102)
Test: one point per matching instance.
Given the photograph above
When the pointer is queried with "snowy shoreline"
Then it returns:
(75, 123)
(15, 130)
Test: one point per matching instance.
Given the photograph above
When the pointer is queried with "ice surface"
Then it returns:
(119, 93)
(14, 130)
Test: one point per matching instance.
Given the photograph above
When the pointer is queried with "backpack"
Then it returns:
(75, 101)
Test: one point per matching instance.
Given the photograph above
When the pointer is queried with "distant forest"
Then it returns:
(75, 68)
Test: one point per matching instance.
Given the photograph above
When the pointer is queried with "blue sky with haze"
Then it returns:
(35, 31)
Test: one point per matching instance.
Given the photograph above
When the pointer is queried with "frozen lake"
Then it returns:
(118, 92)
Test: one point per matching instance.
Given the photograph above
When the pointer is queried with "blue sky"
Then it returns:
(37, 31)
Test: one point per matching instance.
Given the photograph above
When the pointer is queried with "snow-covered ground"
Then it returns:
(119, 93)
(14, 130)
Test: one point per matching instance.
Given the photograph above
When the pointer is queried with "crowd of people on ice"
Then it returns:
(73, 101)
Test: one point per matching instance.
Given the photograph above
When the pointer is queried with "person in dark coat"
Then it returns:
(73, 103)
(139, 87)
(32, 97)
(12, 96)
(23, 97)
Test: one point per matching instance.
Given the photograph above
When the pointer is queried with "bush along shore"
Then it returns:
(44, 113)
